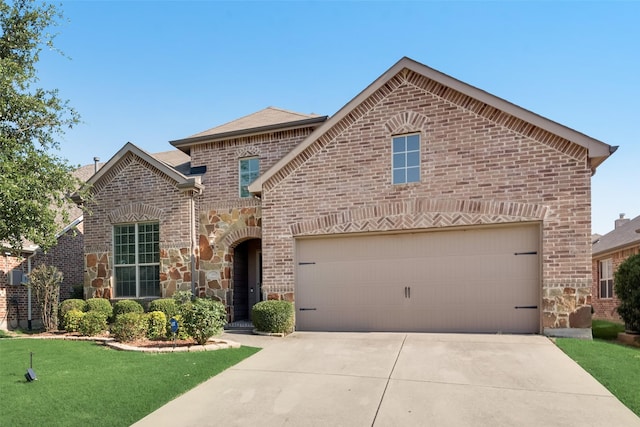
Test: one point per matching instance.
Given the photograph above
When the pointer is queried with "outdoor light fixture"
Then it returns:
(30, 375)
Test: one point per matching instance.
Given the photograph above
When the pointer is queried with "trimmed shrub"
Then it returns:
(627, 287)
(100, 305)
(71, 320)
(168, 306)
(273, 316)
(182, 297)
(157, 327)
(127, 306)
(130, 327)
(71, 304)
(203, 318)
(92, 323)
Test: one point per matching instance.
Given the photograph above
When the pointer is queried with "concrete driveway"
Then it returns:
(398, 379)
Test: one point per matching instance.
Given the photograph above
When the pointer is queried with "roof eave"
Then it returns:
(615, 249)
(178, 177)
(184, 144)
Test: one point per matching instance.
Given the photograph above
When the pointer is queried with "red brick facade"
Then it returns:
(133, 190)
(66, 256)
(605, 308)
(479, 166)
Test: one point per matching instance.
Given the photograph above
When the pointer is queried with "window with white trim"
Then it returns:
(606, 278)
(136, 250)
(406, 159)
(249, 171)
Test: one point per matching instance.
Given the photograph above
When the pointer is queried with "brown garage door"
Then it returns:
(462, 280)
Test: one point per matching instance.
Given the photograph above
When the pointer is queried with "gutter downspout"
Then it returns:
(192, 224)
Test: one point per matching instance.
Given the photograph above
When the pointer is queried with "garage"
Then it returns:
(475, 279)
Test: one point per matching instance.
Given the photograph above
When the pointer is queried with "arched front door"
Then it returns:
(247, 278)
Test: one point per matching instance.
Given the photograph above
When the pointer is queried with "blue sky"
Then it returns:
(149, 72)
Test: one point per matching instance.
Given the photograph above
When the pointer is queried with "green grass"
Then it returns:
(82, 383)
(615, 366)
(605, 330)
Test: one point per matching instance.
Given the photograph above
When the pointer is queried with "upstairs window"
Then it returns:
(249, 171)
(137, 260)
(606, 278)
(406, 159)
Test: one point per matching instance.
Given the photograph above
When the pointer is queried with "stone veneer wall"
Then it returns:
(479, 166)
(221, 228)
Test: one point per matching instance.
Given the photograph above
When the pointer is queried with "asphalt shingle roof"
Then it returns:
(266, 117)
(626, 234)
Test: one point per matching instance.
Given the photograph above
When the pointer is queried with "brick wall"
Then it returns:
(605, 308)
(135, 191)
(475, 160)
(224, 218)
(68, 257)
(221, 159)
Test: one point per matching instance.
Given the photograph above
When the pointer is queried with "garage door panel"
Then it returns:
(464, 280)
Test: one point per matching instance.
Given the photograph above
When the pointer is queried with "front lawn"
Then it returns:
(615, 366)
(82, 383)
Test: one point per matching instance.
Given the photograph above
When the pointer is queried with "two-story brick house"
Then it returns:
(424, 204)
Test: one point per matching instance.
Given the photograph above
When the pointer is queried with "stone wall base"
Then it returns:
(582, 333)
(629, 339)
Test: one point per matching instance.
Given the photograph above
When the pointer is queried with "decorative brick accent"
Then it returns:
(406, 122)
(135, 212)
(420, 213)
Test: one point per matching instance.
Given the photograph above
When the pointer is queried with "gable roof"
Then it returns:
(165, 166)
(598, 151)
(626, 234)
(268, 119)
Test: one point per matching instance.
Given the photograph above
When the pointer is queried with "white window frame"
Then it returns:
(605, 278)
(249, 173)
(137, 264)
(400, 159)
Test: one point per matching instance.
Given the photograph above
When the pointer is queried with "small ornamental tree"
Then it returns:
(627, 287)
(45, 283)
(35, 183)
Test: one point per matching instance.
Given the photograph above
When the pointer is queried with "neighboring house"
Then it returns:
(424, 204)
(609, 251)
(66, 255)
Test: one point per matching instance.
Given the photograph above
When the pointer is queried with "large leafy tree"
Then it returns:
(35, 183)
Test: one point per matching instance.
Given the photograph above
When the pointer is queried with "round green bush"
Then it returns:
(101, 305)
(168, 306)
(71, 320)
(130, 327)
(92, 323)
(68, 305)
(203, 318)
(627, 288)
(157, 328)
(273, 316)
(127, 306)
